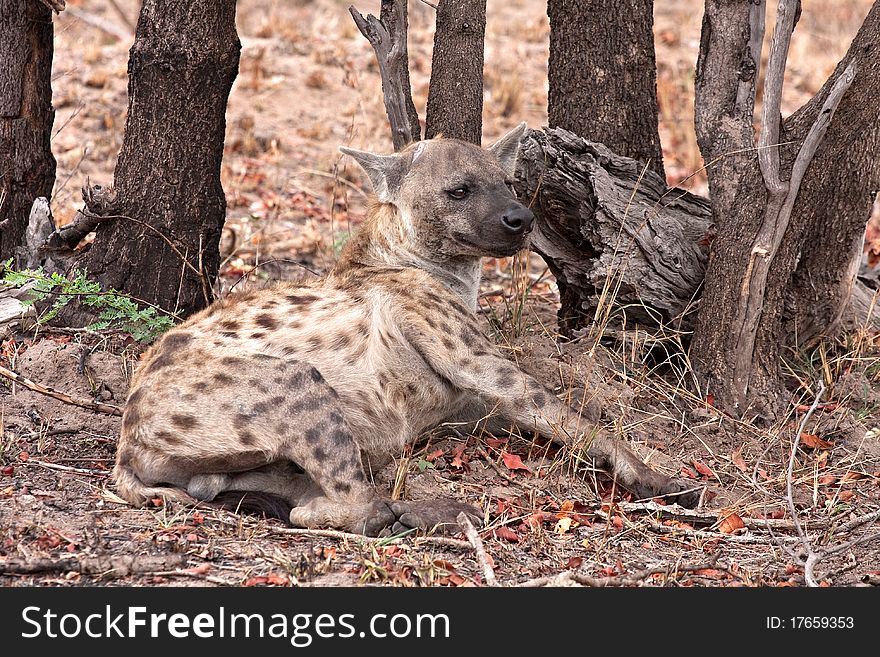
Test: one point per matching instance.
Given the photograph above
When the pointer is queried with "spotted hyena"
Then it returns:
(299, 392)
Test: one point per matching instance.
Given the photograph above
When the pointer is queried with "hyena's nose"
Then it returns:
(518, 219)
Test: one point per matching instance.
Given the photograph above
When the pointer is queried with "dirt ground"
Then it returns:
(308, 83)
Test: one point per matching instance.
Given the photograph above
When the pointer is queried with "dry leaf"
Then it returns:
(513, 462)
(506, 533)
(813, 441)
(563, 525)
(737, 459)
(702, 468)
(730, 523)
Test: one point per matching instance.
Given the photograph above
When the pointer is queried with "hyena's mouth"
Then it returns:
(494, 249)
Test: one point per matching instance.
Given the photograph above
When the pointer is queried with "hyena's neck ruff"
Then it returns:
(385, 240)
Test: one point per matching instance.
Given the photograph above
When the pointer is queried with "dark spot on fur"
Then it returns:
(175, 341)
(267, 321)
(184, 421)
(200, 386)
(135, 396)
(282, 428)
(277, 400)
(188, 397)
(296, 380)
(384, 340)
(229, 334)
(235, 361)
(300, 298)
(480, 352)
(247, 438)
(468, 338)
(319, 453)
(264, 357)
(316, 375)
(341, 341)
(430, 322)
(261, 407)
(288, 350)
(341, 437)
(411, 389)
(342, 487)
(316, 343)
(312, 435)
(241, 421)
(168, 437)
(535, 386)
(308, 404)
(123, 457)
(271, 303)
(160, 361)
(340, 469)
(336, 417)
(132, 415)
(230, 325)
(258, 335)
(540, 399)
(449, 344)
(223, 379)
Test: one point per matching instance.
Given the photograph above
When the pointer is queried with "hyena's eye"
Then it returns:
(458, 193)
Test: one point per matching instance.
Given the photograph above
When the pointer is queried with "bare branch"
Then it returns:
(771, 117)
(482, 558)
(109, 409)
(388, 38)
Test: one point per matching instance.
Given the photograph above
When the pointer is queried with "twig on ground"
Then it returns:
(105, 566)
(634, 579)
(67, 468)
(348, 536)
(482, 558)
(98, 407)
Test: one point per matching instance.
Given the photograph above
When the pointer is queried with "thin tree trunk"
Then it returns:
(27, 166)
(603, 75)
(455, 96)
(161, 240)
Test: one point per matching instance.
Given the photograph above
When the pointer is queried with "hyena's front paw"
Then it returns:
(654, 484)
(433, 515)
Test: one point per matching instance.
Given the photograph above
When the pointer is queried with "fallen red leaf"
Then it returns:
(7, 471)
(433, 455)
(574, 562)
(687, 472)
(506, 533)
(730, 523)
(845, 495)
(200, 569)
(738, 460)
(702, 468)
(24, 456)
(617, 521)
(496, 442)
(813, 441)
(826, 479)
(534, 521)
(513, 462)
(710, 399)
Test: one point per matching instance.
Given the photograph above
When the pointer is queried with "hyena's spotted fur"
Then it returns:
(299, 391)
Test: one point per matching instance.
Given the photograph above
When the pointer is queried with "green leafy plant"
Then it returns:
(116, 309)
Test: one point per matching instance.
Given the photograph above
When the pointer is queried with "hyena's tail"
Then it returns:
(132, 489)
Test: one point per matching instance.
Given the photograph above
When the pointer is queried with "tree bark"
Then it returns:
(161, 240)
(27, 166)
(749, 280)
(455, 96)
(620, 243)
(603, 75)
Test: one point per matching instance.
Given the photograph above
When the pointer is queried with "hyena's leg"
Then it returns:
(481, 370)
(187, 439)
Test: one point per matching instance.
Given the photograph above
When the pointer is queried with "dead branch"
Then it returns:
(55, 5)
(635, 579)
(474, 537)
(348, 536)
(66, 468)
(98, 407)
(104, 566)
(102, 24)
(388, 38)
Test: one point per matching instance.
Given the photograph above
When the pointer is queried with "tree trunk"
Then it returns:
(603, 76)
(160, 242)
(617, 239)
(793, 200)
(27, 166)
(455, 96)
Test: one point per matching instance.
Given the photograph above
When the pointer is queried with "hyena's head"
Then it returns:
(454, 198)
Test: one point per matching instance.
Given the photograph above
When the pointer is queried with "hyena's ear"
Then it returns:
(385, 171)
(506, 149)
